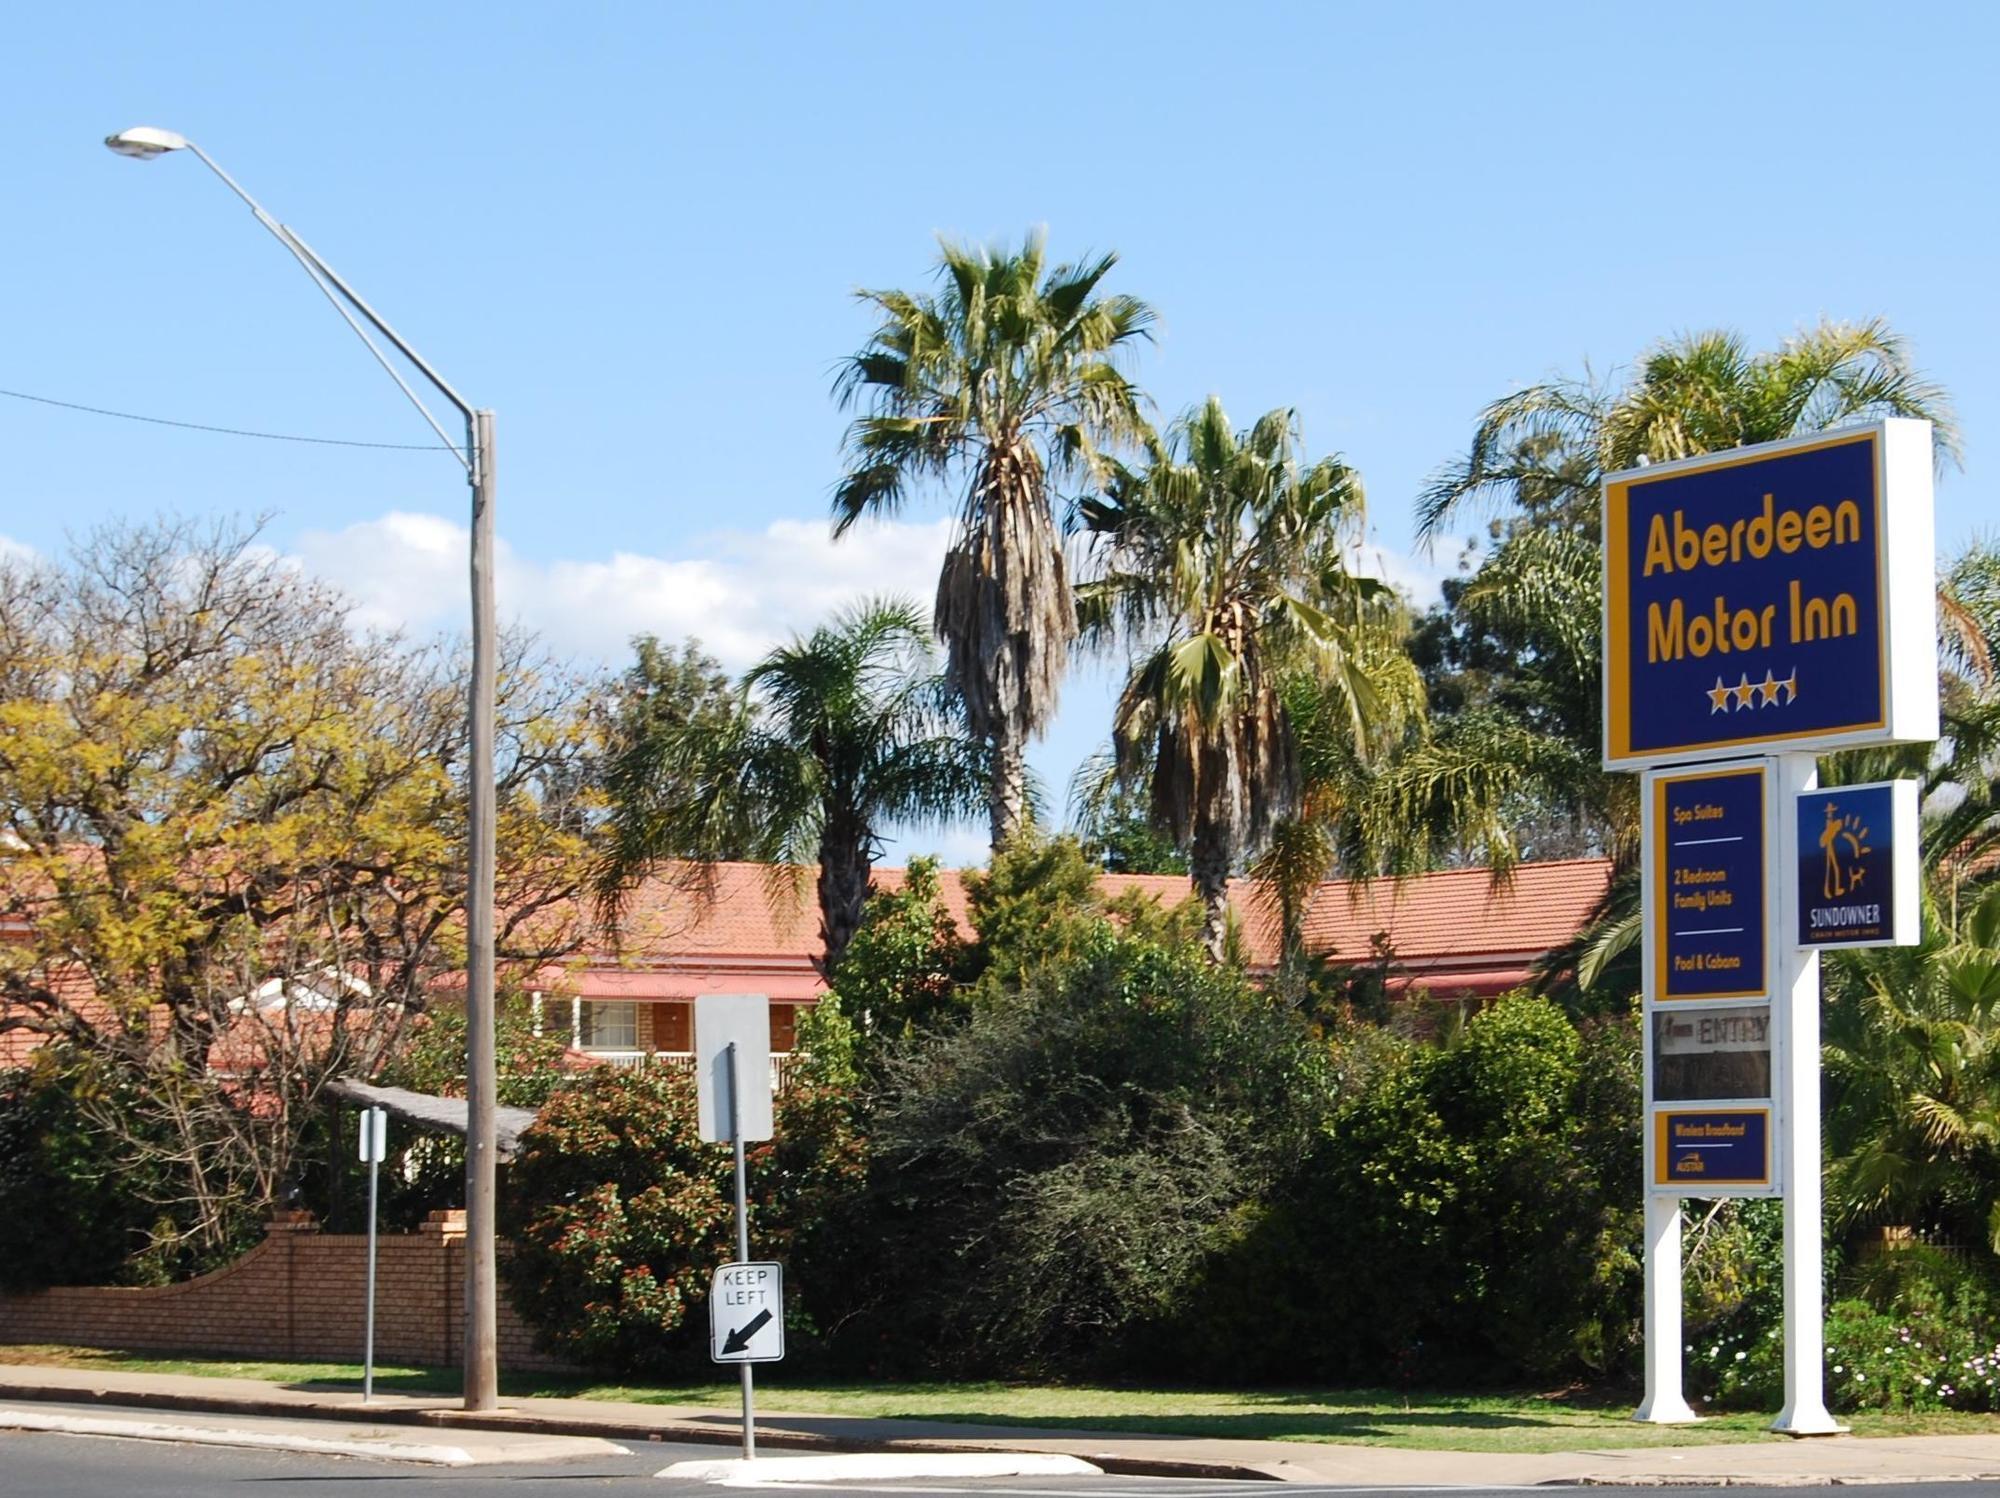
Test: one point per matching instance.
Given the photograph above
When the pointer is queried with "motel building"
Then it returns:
(1454, 935)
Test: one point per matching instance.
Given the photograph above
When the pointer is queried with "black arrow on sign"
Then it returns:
(739, 1339)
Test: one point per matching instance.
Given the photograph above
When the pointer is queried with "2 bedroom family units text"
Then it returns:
(1672, 546)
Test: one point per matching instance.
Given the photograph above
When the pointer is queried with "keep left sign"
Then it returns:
(746, 1313)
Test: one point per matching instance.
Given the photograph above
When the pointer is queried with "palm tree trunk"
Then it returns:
(1208, 871)
(844, 866)
(1007, 798)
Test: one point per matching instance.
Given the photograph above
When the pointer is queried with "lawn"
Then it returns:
(1569, 1420)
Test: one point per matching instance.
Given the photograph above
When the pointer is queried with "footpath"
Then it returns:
(530, 1429)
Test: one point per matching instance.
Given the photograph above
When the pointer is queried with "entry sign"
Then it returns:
(1857, 868)
(1771, 599)
(746, 1313)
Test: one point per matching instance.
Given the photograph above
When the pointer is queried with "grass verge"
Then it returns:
(1572, 1420)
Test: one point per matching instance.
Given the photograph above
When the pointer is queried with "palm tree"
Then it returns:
(1544, 450)
(1223, 565)
(840, 734)
(1002, 382)
(1912, 1053)
(1531, 738)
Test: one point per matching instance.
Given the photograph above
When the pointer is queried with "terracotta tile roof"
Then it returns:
(1459, 913)
(743, 928)
(745, 931)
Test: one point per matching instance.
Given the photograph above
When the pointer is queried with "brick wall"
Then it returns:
(300, 1294)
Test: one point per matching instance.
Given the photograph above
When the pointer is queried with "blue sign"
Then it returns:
(1856, 858)
(1714, 1147)
(1744, 601)
(1708, 892)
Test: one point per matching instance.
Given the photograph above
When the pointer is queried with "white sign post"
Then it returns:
(732, 1043)
(374, 1147)
(1796, 990)
(1761, 606)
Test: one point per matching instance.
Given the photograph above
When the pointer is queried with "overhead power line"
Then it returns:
(196, 426)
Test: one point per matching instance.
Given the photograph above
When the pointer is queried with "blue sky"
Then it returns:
(634, 231)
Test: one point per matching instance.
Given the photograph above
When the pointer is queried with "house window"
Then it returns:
(610, 1026)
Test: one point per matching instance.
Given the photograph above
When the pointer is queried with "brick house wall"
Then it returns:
(300, 1294)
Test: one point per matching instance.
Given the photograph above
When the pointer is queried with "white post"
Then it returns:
(1664, 1403)
(1796, 999)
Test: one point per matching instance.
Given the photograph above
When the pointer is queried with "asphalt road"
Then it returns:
(56, 1466)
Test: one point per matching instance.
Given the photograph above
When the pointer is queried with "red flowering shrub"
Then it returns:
(618, 1213)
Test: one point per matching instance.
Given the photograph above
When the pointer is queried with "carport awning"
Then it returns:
(446, 1115)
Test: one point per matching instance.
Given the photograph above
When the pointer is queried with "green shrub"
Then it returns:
(67, 1220)
(1934, 1344)
(1048, 1176)
(1918, 1330)
(1733, 1304)
(1471, 1215)
(899, 974)
(618, 1213)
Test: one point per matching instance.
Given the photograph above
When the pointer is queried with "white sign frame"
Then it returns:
(374, 1135)
(1906, 529)
(1652, 917)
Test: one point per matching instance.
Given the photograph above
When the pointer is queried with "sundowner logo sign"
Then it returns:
(1853, 844)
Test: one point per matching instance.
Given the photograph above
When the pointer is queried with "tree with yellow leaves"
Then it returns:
(233, 829)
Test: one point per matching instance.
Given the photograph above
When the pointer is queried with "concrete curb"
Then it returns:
(877, 1467)
(430, 1454)
(609, 1428)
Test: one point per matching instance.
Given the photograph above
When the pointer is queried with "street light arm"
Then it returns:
(338, 296)
(343, 296)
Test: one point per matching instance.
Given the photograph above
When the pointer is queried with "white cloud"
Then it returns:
(15, 551)
(960, 847)
(739, 591)
(1420, 579)
(745, 591)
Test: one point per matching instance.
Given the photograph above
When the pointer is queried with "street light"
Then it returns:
(143, 143)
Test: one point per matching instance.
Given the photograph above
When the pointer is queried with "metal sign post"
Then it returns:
(374, 1145)
(742, 1237)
